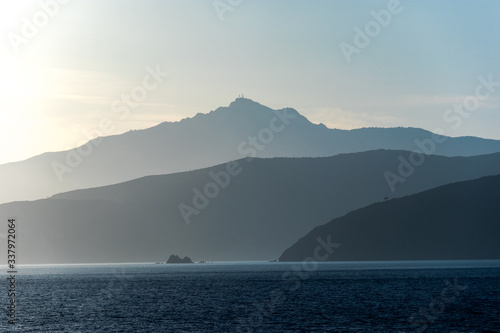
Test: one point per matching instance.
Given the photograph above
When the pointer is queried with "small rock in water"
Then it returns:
(175, 259)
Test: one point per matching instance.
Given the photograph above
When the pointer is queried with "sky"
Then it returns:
(75, 69)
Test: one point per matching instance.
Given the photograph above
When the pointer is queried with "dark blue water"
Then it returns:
(258, 297)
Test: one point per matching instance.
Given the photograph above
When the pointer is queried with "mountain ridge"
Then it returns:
(262, 210)
(242, 129)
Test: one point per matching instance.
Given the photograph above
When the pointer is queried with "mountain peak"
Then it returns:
(245, 103)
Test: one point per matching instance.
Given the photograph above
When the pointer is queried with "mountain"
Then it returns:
(242, 210)
(459, 221)
(244, 128)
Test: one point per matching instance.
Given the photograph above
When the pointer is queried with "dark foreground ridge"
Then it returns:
(459, 221)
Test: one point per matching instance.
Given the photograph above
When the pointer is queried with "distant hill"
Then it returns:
(253, 215)
(229, 133)
(459, 221)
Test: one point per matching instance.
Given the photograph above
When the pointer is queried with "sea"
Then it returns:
(423, 296)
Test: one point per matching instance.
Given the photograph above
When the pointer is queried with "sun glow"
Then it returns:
(12, 13)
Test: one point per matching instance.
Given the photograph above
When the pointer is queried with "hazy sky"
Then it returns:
(65, 68)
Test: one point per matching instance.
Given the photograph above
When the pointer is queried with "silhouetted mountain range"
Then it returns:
(243, 129)
(260, 209)
(457, 221)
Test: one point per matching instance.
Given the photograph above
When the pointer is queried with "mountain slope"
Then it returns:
(458, 221)
(244, 128)
(260, 210)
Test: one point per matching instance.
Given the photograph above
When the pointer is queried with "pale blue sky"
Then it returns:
(65, 78)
